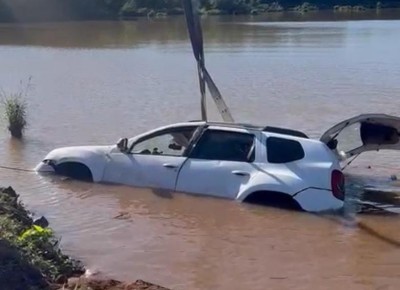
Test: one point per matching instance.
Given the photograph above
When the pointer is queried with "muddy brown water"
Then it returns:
(94, 82)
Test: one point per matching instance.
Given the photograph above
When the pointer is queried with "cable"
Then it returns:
(16, 169)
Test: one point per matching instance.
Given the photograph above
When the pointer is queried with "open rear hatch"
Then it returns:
(367, 132)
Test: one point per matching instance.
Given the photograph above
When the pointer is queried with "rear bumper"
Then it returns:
(316, 200)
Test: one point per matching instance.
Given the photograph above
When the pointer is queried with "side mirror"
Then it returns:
(122, 144)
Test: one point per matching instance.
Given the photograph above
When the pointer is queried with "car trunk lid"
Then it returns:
(366, 132)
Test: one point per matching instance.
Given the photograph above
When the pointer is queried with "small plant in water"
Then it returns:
(15, 109)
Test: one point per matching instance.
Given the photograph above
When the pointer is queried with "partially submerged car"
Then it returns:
(235, 161)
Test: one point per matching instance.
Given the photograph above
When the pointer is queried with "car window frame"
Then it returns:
(252, 151)
(164, 132)
(267, 147)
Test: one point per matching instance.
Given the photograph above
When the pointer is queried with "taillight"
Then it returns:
(337, 183)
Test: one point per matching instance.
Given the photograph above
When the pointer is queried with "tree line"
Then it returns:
(45, 10)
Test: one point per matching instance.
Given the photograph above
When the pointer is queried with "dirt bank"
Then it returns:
(30, 257)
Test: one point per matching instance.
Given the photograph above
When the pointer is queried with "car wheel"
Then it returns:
(74, 170)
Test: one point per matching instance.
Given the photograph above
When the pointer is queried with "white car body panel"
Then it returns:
(306, 180)
(311, 200)
(218, 178)
(143, 170)
(94, 157)
(215, 178)
(289, 177)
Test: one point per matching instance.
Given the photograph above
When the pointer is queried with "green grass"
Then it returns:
(37, 248)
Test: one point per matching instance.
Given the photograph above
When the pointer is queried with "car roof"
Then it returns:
(270, 129)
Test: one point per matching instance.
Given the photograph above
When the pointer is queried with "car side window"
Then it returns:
(225, 145)
(172, 142)
(281, 150)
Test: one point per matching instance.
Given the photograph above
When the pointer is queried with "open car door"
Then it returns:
(367, 132)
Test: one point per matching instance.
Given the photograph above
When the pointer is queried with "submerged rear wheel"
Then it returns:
(274, 199)
(74, 170)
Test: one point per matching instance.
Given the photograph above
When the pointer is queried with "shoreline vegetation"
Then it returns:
(30, 257)
(64, 10)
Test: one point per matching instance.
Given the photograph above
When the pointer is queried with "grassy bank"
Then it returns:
(30, 257)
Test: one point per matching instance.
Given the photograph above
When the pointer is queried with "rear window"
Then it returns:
(280, 150)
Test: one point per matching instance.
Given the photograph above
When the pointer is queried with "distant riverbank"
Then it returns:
(62, 10)
(268, 10)
(31, 259)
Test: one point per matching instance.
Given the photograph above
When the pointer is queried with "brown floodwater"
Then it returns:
(94, 82)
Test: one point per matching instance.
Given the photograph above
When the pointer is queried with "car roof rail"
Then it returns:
(235, 125)
(227, 124)
(285, 131)
(271, 129)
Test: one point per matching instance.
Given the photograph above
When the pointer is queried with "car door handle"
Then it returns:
(240, 173)
(169, 165)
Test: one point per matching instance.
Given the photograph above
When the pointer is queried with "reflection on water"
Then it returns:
(221, 29)
(126, 34)
(98, 81)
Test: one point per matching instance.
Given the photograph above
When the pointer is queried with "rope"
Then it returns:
(16, 169)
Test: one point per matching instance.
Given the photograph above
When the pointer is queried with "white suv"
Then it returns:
(235, 161)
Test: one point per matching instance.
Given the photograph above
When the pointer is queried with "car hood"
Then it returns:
(78, 152)
(367, 132)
